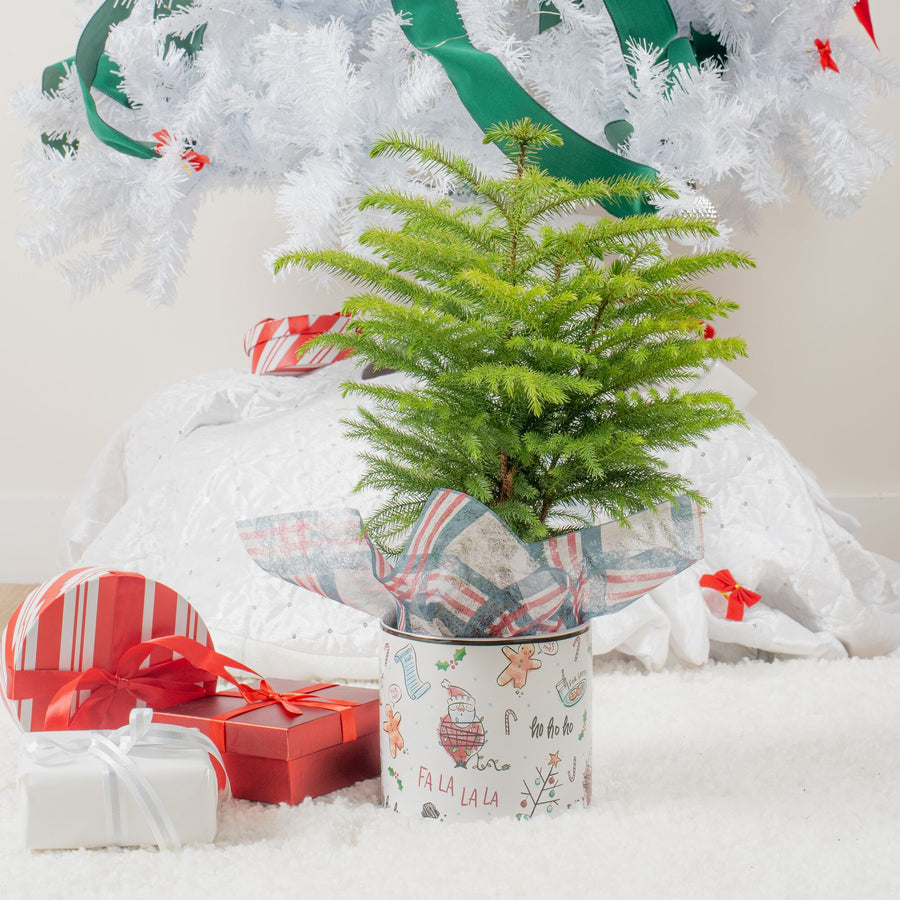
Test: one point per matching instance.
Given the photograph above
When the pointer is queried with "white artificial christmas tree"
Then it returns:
(289, 95)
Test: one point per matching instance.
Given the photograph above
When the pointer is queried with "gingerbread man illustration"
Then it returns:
(520, 664)
(392, 728)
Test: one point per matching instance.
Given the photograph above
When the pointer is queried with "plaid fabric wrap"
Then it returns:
(464, 573)
(323, 551)
(611, 565)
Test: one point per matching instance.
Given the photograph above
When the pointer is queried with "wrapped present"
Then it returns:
(86, 647)
(275, 345)
(142, 784)
(284, 741)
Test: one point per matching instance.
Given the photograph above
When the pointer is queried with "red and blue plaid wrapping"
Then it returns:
(464, 573)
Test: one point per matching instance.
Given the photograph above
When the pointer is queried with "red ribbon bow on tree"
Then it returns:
(194, 160)
(825, 59)
(738, 597)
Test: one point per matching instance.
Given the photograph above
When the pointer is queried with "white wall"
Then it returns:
(820, 314)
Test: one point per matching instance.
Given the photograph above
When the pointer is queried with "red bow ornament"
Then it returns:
(193, 160)
(825, 59)
(738, 597)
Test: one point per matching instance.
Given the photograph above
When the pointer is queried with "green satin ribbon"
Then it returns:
(95, 70)
(491, 95)
(652, 22)
(487, 90)
(107, 80)
(549, 16)
(649, 22)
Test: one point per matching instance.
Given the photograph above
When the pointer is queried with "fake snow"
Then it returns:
(756, 779)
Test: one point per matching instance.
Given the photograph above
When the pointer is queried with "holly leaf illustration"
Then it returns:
(443, 666)
(459, 654)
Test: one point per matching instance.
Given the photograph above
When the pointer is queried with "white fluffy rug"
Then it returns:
(773, 779)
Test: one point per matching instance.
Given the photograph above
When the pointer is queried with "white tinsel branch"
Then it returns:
(290, 94)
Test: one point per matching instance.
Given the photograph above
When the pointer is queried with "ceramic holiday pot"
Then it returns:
(479, 728)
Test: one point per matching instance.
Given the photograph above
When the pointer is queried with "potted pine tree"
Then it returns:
(547, 362)
(550, 358)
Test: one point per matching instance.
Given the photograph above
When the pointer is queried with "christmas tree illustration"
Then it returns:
(542, 792)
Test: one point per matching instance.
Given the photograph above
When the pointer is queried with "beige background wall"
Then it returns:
(820, 314)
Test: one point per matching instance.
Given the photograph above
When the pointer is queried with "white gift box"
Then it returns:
(142, 784)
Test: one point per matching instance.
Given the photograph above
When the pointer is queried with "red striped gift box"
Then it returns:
(274, 345)
(78, 628)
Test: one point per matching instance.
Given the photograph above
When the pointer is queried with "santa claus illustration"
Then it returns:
(461, 731)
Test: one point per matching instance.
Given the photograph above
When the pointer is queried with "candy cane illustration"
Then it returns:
(510, 712)
(387, 654)
(577, 647)
(415, 687)
(574, 766)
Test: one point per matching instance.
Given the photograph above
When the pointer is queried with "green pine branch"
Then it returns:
(550, 360)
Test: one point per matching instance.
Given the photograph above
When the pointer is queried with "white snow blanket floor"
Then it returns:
(756, 779)
(163, 497)
(763, 776)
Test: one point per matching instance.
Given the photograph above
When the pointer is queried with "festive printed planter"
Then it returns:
(273, 345)
(479, 728)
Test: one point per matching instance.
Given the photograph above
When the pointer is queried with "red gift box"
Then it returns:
(273, 345)
(83, 649)
(275, 756)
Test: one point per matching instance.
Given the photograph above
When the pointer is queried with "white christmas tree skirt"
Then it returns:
(163, 498)
(752, 780)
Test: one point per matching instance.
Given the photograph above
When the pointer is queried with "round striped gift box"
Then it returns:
(274, 345)
(86, 619)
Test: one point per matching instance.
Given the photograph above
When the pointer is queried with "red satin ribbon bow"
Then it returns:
(113, 694)
(195, 160)
(738, 597)
(292, 702)
(825, 58)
